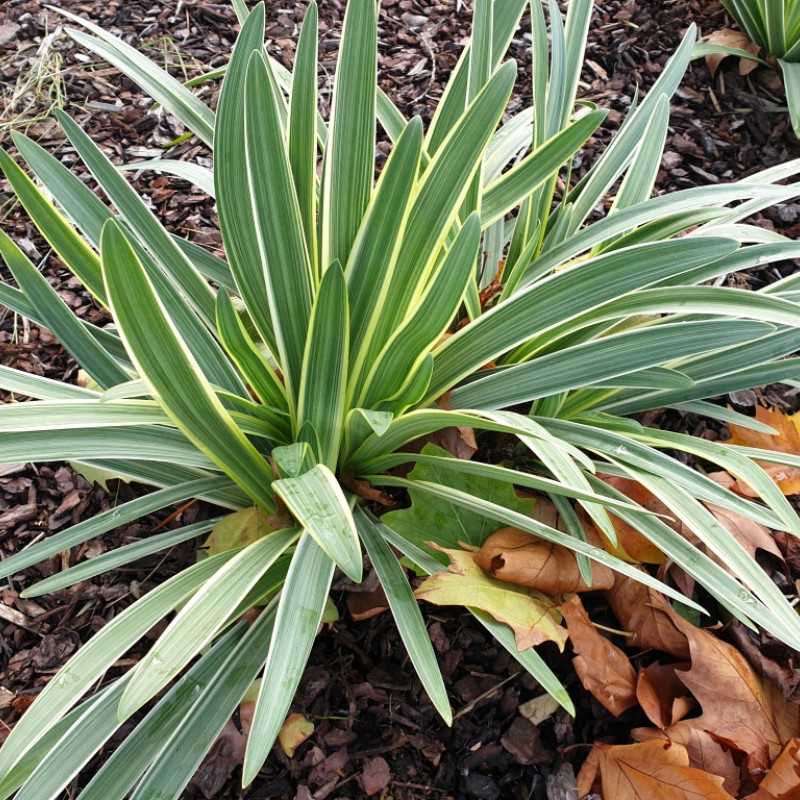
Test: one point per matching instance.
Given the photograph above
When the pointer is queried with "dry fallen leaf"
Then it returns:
(654, 770)
(748, 533)
(517, 557)
(295, 730)
(226, 754)
(705, 752)
(538, 709)
(662, 695)
(787, 440)
(604, 669)
(648, 616)
(782, 782)
(366, 605)
(532, 616)
(731, 38)
(632, 545)
(740, 708)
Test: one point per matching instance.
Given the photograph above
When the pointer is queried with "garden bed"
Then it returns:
(374, 727)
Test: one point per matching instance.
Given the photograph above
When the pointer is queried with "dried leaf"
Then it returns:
(517, 557)
(533, 617)
(787, 440)
(603, 668)
(523, 741)
(632, 545)
(654, 770)
(366, 605)
(226, 754)
(705, 752)
(662, 695)
(740, 708)
(648, 616)
(782, 782)
(540, 708)
(296, 729)
(748, 533)
(727, 37)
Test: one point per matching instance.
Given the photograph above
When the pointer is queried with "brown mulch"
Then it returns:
(374, 727)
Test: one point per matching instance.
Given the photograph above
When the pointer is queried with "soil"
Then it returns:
(373, 724)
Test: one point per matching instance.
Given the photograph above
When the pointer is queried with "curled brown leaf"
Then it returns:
(514, 556)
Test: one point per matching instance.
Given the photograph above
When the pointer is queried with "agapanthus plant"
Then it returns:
(474, 285)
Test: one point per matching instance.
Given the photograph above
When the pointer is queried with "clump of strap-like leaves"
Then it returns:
(349, 318)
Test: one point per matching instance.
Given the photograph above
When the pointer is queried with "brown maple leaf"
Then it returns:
(514, 556)
(782, 782)
(603, 668)
(747, 712)
(654, 770)
(648, 616)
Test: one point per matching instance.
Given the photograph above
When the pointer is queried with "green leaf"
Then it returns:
(493, 474)
(172, 373)
(202, 177)
(90, 663)
(142, 220)
(156, 82)
(91, 731)
(152, 443)
(602, 359)
(449, 523)
(302, 129)
(318, 504)
(89, 214)
(183, 753)
(376, 249)
(406, 613)
(439, 197)
(119, 557)
(791, 80)
(120, 771)
(292, 460)
(565, 295)
(44, 748)
(299, 614)
(201, 618)
(56, 316)
(516, 184)
(16, 381)
(624, 144)
(246, 354)
(638, 183)
(323, 382)
(350, 149)
(276, 214)
(405, 351)
(505, 17)
(233, 199)
(73, 251)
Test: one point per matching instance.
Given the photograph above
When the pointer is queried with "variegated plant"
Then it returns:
(774, 26)
(349, 319)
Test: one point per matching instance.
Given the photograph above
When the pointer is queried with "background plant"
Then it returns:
(775, 28)
(347, 322)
